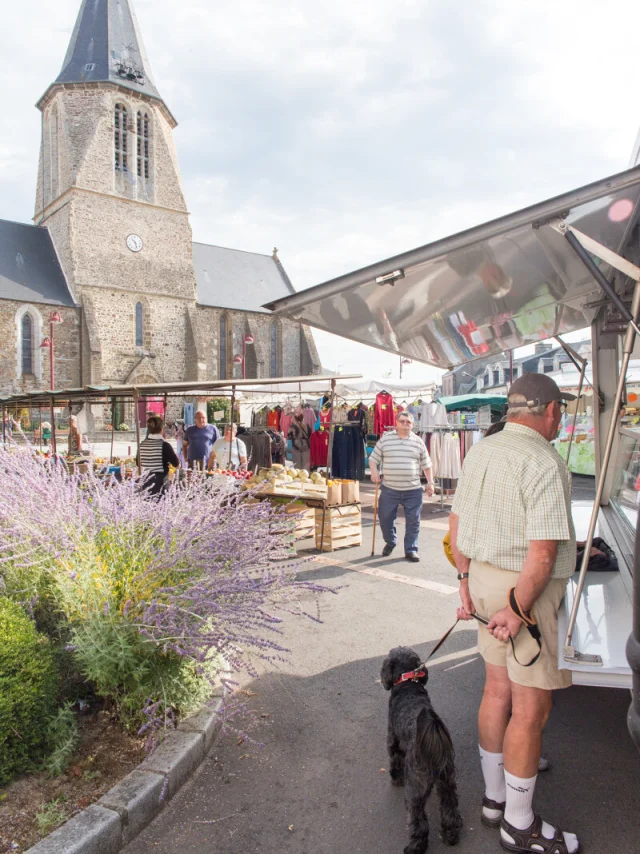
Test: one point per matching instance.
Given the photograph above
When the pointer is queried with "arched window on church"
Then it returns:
(274, 348)
(142, 129)
(120, 141)
(27, 344)
(222, 348)
(139, 325)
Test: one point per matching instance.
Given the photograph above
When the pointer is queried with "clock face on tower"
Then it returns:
(134, 242)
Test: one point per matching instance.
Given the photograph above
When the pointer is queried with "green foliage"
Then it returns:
(129, 669)
(62, 740)
(50, 815)
(221, 404)
(28, 687)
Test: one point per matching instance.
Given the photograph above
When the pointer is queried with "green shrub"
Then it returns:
(28, 687)
(62, 740)
(130, 669)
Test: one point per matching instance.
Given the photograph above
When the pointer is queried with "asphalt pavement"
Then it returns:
(320, 783)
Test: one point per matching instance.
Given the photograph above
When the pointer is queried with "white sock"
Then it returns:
(519, 811)
(494, 783)
(493, 773)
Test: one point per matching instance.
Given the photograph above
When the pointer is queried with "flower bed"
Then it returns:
(143, 598)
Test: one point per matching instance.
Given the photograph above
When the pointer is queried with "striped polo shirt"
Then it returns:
(402, 460)
(151, 453)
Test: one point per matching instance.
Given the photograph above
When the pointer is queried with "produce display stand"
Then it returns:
(324, 510)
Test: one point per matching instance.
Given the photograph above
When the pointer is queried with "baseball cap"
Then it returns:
(538, 389)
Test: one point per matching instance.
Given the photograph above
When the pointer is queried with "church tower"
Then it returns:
(110, 194)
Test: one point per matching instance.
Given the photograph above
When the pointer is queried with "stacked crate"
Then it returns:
(342, 527)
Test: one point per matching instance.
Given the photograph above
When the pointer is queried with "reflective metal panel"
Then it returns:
(511, 282)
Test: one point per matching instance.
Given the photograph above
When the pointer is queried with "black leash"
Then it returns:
(532, 628)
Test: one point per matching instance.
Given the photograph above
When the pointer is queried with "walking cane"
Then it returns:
(375, 520)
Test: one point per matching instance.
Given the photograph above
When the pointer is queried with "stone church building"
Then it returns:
(111, 250)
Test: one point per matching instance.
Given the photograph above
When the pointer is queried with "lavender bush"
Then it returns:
(151, 596)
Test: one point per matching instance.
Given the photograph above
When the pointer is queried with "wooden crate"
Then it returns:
(342, 528)
(304, 518)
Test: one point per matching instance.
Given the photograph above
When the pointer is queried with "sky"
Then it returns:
(347, 132)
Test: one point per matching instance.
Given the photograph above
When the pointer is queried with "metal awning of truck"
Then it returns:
(510, 282)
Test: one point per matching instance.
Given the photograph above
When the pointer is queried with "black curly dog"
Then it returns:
(420, 751)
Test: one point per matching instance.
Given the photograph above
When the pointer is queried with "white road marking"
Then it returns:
(452, 656)
(462, 664)
(435, 586)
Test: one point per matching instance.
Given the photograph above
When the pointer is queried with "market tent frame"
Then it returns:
(95, 394)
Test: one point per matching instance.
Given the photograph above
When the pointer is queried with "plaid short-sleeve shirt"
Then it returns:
(515, 488)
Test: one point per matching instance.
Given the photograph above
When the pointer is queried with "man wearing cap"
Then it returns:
(514, 545)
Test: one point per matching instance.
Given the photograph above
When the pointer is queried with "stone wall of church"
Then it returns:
(111, 316)
(295, 351)
(66, 347)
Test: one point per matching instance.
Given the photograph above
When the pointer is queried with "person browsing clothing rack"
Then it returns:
(403, 457)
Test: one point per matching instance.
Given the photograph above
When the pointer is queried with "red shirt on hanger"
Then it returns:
(273, 419)
(384, 416)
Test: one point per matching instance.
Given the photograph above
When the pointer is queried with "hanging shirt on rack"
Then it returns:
(432, 415)
(309, 417)
(324, 418)
(286, 420)
(358, 415)
(319, 448)
(340, 415)
(383, 411)
(273, 419)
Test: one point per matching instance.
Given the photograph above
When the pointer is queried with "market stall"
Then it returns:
(311, 491)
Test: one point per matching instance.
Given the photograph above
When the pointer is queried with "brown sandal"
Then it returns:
(492, 805)
(524, 840)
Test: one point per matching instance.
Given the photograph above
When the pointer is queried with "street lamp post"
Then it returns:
(403, 361)
(54, 317)
(242, 360)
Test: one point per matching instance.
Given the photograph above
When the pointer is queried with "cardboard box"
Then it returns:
(350, 491)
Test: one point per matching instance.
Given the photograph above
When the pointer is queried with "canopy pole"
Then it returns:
(233, 406)
(4, 426)
(571, 654)
(113, 428)
(136, 397)
(54, 444)
(331, 428)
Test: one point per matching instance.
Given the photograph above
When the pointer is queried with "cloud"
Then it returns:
(343, 133)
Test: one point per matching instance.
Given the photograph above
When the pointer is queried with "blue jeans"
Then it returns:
(390, 500)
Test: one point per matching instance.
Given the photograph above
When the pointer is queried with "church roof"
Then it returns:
(29, 267)
(106, 46)
(233, 279)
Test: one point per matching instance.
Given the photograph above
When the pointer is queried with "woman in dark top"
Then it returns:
(156, 456)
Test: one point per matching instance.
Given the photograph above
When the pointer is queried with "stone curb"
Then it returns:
(113, 821)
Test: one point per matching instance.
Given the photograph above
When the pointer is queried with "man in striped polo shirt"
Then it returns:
(403, 457)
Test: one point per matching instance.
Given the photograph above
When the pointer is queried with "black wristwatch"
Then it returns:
(462, 576)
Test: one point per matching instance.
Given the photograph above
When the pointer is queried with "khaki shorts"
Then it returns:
(489, 588)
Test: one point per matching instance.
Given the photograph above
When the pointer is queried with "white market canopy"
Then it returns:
(510, 282)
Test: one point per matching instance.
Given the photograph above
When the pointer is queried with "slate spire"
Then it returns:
(106, 46)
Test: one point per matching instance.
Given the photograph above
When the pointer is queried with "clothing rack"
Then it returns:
(458, 428)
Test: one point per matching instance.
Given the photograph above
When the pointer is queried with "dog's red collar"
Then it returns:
(411, 676)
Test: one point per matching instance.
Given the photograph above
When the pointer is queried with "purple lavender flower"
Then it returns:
(197, 575)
